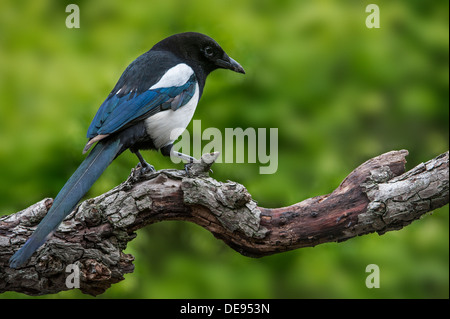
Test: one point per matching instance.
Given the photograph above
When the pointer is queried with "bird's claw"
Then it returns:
(146, 168)
(188, 166)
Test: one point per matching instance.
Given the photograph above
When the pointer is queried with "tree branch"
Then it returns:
(376, 197)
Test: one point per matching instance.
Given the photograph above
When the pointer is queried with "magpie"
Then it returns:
(149, 107)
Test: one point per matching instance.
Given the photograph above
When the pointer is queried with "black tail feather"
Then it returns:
(75, 188)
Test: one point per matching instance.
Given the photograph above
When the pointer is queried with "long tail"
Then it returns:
(75, 188)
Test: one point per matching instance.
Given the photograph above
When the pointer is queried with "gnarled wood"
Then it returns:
(376, 197)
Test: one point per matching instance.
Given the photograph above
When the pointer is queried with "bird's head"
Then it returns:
(199, 49)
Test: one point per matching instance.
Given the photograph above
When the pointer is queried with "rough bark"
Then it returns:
(376, 197)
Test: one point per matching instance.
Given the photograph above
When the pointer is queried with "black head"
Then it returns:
(199, 50)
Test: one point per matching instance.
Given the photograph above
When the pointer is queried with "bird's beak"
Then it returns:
(228, 63)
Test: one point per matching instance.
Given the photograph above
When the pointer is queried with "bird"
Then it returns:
(149, 107)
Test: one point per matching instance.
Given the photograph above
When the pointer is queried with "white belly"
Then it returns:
(166, 126)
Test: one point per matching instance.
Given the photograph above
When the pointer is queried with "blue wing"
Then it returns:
(122, 110)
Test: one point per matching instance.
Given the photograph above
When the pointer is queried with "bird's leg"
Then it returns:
(189, 159)
(145, 167)
(168, 151)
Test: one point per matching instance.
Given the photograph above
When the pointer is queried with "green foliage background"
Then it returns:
(338, 92)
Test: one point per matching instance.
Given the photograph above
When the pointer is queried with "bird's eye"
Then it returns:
(209, 52)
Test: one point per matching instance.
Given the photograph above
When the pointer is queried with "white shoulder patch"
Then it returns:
(175, 76)
(166, 126)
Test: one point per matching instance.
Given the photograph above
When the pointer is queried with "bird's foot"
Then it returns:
(202, 166)
(188, 167)
(140, 170)
(145, 168)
